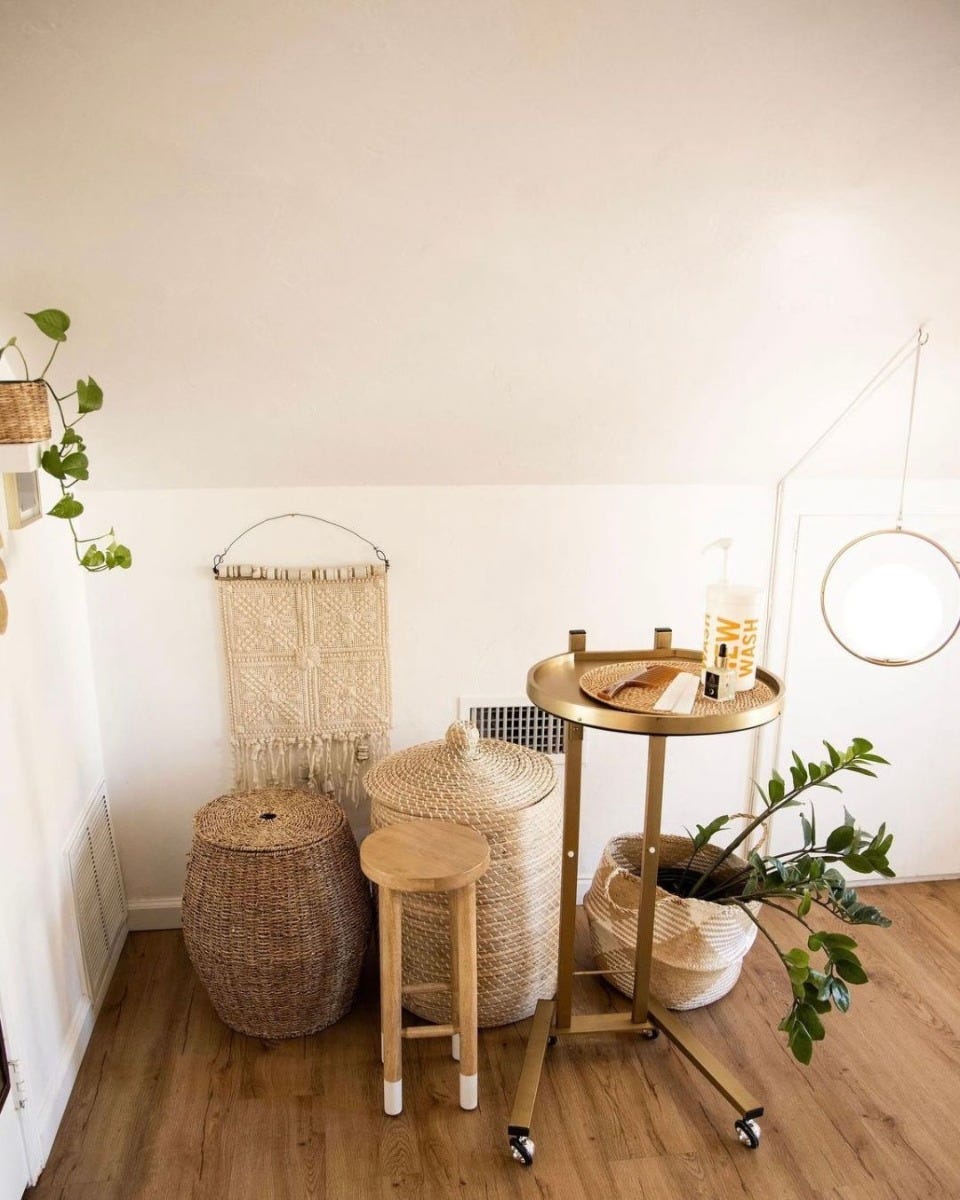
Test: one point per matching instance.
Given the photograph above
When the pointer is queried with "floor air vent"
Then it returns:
(100, 902)
(516, 721)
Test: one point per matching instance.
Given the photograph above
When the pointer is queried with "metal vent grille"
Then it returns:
(518, 722)
(99, 898)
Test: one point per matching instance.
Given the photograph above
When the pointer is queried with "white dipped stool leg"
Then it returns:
(454, 982)
(464, 949)
(391, 910)
(393, 1098)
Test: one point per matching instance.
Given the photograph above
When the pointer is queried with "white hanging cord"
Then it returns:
(887, 371)
(922, 338)
(889, 368)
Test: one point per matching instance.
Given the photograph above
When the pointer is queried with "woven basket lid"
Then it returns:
(461, 772)
(268, 819)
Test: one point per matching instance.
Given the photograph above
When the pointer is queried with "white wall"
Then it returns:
(484, 582)
(482, 241)
(908, 712)
(50, 763)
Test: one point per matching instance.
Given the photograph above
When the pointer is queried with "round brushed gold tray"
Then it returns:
(557, 685)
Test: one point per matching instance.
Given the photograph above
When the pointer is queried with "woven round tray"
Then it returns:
(508, 794)
(276, 913)
(642, 700)
(24, 411)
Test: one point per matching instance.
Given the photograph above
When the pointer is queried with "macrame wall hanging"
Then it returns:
(308, 671)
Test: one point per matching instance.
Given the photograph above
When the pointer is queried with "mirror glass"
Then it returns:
(892, 597)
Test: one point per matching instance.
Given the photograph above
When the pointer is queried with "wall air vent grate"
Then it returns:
(516, 721)
(99, 899)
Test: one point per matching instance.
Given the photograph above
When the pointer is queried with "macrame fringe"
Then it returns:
(331, 763)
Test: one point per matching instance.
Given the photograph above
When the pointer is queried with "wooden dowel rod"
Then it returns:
(428, 1031)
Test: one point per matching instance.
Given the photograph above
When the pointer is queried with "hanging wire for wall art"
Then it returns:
(218, 558)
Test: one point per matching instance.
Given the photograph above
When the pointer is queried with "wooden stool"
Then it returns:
(427, 856)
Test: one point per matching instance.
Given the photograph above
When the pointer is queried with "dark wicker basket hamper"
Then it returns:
(276, 913)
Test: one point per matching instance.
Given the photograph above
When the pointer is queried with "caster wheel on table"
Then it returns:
(748, 1132)
(552, 1039)
(650, 1035)
(522, 1150)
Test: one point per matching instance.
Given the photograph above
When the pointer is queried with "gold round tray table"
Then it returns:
(554, 685)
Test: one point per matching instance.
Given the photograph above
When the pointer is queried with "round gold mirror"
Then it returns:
(892, 597)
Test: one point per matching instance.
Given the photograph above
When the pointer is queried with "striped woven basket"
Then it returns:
(24, 411)
(508, 794)
(276, 913)
(698, 946)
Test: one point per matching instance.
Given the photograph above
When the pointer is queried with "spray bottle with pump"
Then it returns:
(732, 618)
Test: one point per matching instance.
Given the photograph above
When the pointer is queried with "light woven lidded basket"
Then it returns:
(698, 946)
(509, 794)
(24, 411)
(276, 913)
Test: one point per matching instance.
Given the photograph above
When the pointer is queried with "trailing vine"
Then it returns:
(66, 459)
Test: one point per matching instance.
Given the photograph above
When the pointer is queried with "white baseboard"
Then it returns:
(41, 1131)
(162, 913)
(859, 881)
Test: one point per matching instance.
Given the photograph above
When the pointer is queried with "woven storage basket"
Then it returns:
(24, 412)
(276, 913)
(698, 946)
(510, 795)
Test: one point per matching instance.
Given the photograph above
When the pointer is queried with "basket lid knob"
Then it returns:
(463, 739)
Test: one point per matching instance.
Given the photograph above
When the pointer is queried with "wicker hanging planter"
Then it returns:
(698, 946)
(24, 411)
(508, 794)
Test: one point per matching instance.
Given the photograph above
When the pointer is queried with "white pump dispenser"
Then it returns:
(732, 616)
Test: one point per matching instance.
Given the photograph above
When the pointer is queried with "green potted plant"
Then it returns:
(24, 417)
(711, 902)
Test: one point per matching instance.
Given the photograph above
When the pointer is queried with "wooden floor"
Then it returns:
(171, 1104)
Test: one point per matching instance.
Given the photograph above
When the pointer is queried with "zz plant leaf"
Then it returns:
(801, 882)
(66, 460)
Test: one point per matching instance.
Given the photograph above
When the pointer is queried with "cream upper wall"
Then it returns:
(484, 582)
(487, 580)
(424, 242)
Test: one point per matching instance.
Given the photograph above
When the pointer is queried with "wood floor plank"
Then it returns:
(171, 1105)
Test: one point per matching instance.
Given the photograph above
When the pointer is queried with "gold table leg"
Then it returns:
(705, 1062)
(648, 876)
(572, 773)
(525, 1099)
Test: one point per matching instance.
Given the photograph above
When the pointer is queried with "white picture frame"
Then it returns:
(24, 502)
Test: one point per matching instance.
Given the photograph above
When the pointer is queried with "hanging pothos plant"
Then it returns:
(66, 460)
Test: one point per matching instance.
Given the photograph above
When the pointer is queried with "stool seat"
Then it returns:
(425, 856)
